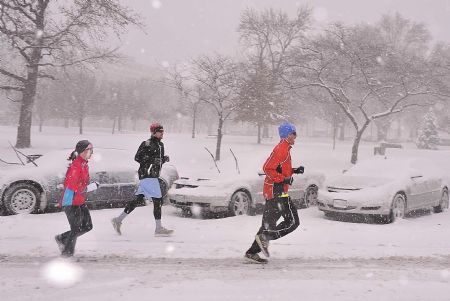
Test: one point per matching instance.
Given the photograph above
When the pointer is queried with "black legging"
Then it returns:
(80, 222)
(273, 210)
(139, 200)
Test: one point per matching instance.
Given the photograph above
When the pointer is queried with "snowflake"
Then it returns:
(62, 273)
(156, 4)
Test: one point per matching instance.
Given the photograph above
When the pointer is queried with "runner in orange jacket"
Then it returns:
(278, 169)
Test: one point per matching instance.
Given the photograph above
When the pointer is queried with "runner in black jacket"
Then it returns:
(150, 157)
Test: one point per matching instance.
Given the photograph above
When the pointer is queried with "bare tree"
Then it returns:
(46, 34)
(190, 91)
(217, 77)
(267, 37)
(366, 72)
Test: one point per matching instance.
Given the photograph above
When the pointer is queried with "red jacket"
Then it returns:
(280, 156)
(75, 183)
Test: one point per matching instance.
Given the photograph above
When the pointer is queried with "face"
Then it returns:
(291, 138)
(87, 153)
(159, 134)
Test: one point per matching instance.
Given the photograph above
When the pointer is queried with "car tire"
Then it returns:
(240, 203)
(443, 203)
(310, 196)
(398, 208)
(21, 198)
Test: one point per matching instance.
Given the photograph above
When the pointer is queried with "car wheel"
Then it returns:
(22, 198)
(443, 203)
(310, 196)
(398, 208)
(240, 203)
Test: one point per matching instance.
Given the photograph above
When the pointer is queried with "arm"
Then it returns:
(272, 163)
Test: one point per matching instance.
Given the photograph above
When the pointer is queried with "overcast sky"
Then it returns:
(179, 30)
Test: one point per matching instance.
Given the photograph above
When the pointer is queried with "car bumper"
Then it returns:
(340, 203)
(212, 203)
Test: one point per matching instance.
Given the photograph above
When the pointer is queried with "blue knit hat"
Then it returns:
(285, 129)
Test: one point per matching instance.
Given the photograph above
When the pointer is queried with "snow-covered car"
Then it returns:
(29, 188)
(386, 187)
(237, 194)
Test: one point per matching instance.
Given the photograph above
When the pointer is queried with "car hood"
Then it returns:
(353, 182)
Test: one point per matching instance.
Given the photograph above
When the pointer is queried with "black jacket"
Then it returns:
(148, 151)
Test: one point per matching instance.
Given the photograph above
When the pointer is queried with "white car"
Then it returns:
(37, 187)
(386, 187)
(237, 194)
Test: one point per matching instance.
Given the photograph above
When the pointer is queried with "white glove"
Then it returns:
(91, 187)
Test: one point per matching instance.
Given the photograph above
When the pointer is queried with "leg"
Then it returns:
(139, 199)
(290, 222)
(159, 230)
(157, 205)
(86, 221)
(69, 238)
(270, 217)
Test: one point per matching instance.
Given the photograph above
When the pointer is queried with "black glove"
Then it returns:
(166, 159)
(288, 180)
(157, 161)
(278, 189)
(298, 170)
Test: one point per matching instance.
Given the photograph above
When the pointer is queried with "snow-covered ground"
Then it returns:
(323, 260)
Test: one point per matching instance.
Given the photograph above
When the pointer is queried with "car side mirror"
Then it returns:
(344, 170)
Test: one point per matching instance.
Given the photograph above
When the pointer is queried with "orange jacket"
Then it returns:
(280, 156)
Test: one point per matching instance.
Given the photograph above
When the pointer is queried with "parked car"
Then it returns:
(386, 187)
(237, 194)
(29, 188)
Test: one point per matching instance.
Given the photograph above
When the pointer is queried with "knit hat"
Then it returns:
(285, 129)
(155, 127)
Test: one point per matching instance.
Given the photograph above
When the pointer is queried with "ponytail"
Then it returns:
(73, 155)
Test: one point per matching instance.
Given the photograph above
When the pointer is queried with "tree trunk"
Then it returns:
(259, 133)
(41, 123)
(265, 131)
(194, 119)
(342, 131)
(355, 147)
(25, 119)
(382, 130)
(219, 139)
(80, 123)
(114, 126)
(119, 124)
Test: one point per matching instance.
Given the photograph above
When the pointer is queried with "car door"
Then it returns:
(418, 191)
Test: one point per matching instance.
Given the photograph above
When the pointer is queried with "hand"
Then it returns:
(157, 161)
(288, 180)
(166, 159)
(298, 170)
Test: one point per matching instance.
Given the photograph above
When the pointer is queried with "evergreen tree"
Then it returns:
(428, 135)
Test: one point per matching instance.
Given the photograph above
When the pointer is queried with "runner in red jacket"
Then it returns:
(278, 169)
(74, 197)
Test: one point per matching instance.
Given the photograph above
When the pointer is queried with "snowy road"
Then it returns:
(114, 277)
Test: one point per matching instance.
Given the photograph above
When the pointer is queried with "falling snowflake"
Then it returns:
(170, 249)
(62, 273)
(39, 33)
(320, 14)
(445, 274)
(380, 61)
(142, 50)
(179, 115)
(165, 64)
(156, 4)
(196, 210)
(369, 275)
